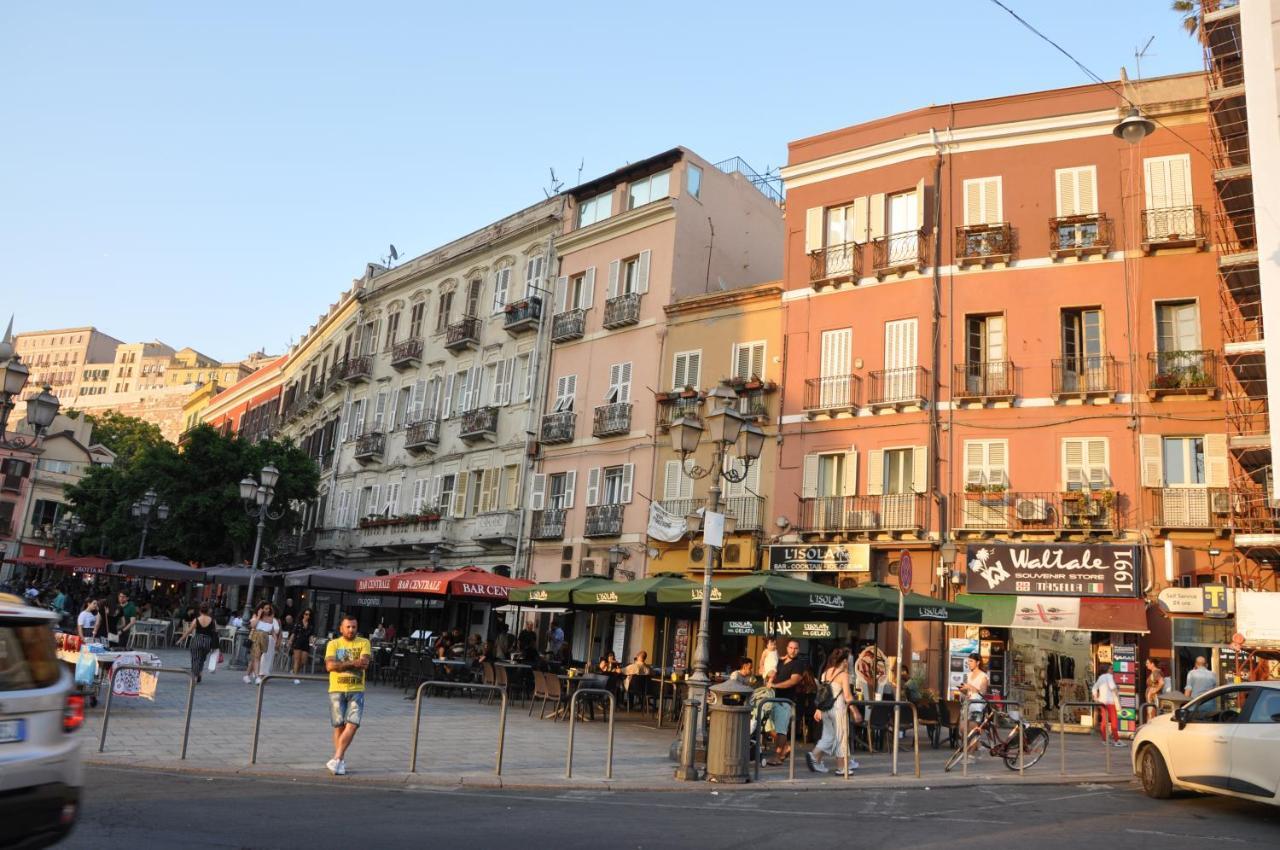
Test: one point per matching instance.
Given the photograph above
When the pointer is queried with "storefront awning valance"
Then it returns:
(1066, 613)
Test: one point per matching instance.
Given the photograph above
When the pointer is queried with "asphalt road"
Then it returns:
(135, 809)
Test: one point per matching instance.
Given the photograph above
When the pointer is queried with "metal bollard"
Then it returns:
(417, 718)
(1142, 713)
(257, 715)
(1062, 734)
(191, 692)
(573, 715)
(791, 731)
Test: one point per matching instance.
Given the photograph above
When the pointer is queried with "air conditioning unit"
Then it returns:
(863, 519)
(1220, 503)
(1033, 510)
(696, 554)
(587, 567)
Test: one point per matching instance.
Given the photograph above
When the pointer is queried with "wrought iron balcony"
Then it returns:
(675, 406)
(748, 510)
(463, 334)
(754, 403)
(1173, 227)
(899, 387)
(899, 512)
(397, 535)
(1079, 235)
(1182, 373)
(558, 427)
(832, 394)
(990, 380)
(995, 509)
(569, 325)
(622, 311)
(479, 424)
(358, 369)
(370, 447)
(334, 380)
(1190, 507)
(835, 263)
(1081, 377)
(422, 436)
(604, 521)
(899, 253)
(548, 524)
(406, 354)
(523, 315)
(612, 419)
(980, 244)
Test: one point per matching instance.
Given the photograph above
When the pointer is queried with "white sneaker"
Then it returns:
(853, 764)
(246, 679)
(1119, 744)
(334, 766)
(257, 680)
(297, 681)
(820, 767)
(342, 768)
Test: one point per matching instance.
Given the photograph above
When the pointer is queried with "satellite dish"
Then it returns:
(394, 254)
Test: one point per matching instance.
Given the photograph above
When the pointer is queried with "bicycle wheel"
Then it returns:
(954, 759)
(1037, 744)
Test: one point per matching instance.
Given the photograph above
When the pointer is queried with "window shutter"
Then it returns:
(875, 472)
(642, 273)
(628, 478)
(982, 201)
(920, 204)
(570, 484)
(508, 381)
(460, 494)
(1096, 460)
(593, 487)
(562, 293)
(671, 480)
(875, 228)
(393, 499)
(920, 469)
(998, 462)
(589, 288)
(437, 487)
(538, 493)
(1067, 194)
(346, 421)
(501, 283)
(858, 232)
(1073, 471)
(420, 494)
(613, 278)
(850, 483)
(679, 373)
(477, 382)
(741, 358)
(624, 382)
(418, 404)
(375, 500)
(1215, 460)
(975, 470)
(446, 400)
(1151, 452)
(511, 488)
(809, 483)
(813, 229)
(1180, 180)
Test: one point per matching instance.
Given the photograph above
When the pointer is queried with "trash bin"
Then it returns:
(729, 732)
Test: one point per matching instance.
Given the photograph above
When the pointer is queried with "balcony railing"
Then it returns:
(522, 315)
(358, 369)
(672, 408)
(1084, 376)
(622, 310)
(559, 427)
(481, 423)
(422, 435)
(1182, 373)
(611, 419)
(495, 526)
(979, 244)
(403, 535)
(333, 539)
(895, 512)
(1078, 510)
(406, 354)
(832, 394)
(548, 524)
(369, 447)
(569, 325)
(1173, 227)
(835, 263)
(899, 252)
(754, 404)
(748, 510)
(898, 387)
(463, 334)
(1190, 507)
(334, 380)
(990, 380)
(1079, 235)
(604, 521)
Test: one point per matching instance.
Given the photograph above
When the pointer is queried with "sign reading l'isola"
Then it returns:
(1050, 569)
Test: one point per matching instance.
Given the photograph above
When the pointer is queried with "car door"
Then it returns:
(1255, 747)
(1200, 751)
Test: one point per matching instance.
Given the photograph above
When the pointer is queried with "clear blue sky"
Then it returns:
(213, 174)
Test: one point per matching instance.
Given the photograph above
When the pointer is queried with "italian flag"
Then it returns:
(1095, 587)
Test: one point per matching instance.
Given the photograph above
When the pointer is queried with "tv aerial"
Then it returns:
(391, 256)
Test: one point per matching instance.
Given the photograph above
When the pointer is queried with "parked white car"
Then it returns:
(1226, 741)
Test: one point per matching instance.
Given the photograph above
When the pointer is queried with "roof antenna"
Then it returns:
(556, 185)
(392, 256)
(1138, 54)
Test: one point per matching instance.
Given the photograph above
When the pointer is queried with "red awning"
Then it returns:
(465, 583)
(1113, 615)
(83, 564)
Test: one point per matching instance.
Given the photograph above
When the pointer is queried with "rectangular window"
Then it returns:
(379, 410)
(843, 224)
(748, 360)
(650, 189)
(566, 387)
(1183, 461)
(1083, 350)
(1085, 464)
(557, 490)
(1077, 190)
(533, 271)
(899, 471)
(443, 307)
(404, 406)
(595, 209)
(391, 506)
(612, 492)
(619, 384)
(501, 283)
(831, 475)
(1177, 326)
(474, 289)
(676, 483)
(421, 493)
(45, 512)
(982, 201)
(986, 463)
(415, 319)
(693, 179)
(448, 484)
(686, 369)
(393, 330)
(1170, 210)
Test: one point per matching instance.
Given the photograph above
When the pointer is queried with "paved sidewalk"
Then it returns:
(458, 741)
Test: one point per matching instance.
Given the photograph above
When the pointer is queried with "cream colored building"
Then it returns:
(60, 357)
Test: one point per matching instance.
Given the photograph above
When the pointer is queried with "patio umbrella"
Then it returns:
(558, 594)
(156, 567)
(324, 579)
(469, 583)
(239, 575)
(916, 606)
(632, 596)
(768, 593)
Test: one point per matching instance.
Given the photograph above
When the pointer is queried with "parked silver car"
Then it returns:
(41, 766)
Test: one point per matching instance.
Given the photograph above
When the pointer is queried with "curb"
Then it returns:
(410, 781)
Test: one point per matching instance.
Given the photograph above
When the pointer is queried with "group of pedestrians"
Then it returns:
(98, 621)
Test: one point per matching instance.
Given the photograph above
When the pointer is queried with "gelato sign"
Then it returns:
(779, 628)
(1053, 570)
(821, 558)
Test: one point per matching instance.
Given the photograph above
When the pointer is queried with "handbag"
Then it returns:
(211, 665)
(86, 669)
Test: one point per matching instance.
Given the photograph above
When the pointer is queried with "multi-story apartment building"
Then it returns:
(60, 358)
(634, 243)
(250, 407)
(1003, 336)
(139, 366)
(188, 366)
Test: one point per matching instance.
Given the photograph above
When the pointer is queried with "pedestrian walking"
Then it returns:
(346, 658)
(834, 716)
(1200, 679)
(263, 631)
(300, 643)
(1155, 686)
(1107, 695)
(203, 632)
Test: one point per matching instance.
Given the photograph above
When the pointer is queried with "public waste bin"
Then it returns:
(729, 732)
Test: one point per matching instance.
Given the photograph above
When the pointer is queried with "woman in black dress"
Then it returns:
(204, 639)
(300, 642)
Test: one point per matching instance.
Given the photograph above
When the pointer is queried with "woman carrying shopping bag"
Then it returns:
(204, 640)
(263, 631)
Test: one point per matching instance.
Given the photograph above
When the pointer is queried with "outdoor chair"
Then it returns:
(929, 715)
(539, 690)
(951, 719)
(879, 725)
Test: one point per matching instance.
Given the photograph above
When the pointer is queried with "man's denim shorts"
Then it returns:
(346, 708)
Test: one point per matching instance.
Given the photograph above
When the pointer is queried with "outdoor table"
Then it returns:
(676, 687)
(573, 683)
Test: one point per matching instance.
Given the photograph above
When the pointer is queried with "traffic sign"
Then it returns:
(904, 571)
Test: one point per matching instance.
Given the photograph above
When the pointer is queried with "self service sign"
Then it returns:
(1038, 569)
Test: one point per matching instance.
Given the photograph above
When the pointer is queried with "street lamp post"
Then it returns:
(143, 510)
(257, 499)
(726, 427)
(66, 531)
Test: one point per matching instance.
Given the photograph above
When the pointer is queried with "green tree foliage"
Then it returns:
(1190, 12)
(200, 481)
(127, 436)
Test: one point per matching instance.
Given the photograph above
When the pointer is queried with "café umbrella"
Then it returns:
(634, 597)
(559, 594)
(467, 583)
(916, 606)
(768, 593)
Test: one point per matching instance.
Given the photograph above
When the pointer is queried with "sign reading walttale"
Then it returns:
(1049, 569)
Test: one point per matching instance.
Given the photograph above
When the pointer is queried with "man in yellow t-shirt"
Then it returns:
(346, 658)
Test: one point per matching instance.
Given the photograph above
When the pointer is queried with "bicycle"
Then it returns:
(986, 734)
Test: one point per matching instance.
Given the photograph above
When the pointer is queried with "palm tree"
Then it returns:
(1190, 12)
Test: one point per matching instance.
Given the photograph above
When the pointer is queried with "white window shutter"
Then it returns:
(570, 484)
(615, 379)
(813, 218)
(375, 500)
(920, 469)
(875, 229)
(508, 381)
(809, 485)
(628, 479)
(920, 204)
(1068, 195)
(679, 371)
(642, 273)
(589, 288)
(850, 483)
(593, 487)
(858, 231)
(1151, 449)
(1073, 466)
(614, 269)
(460, 494)
(998, 462)
(437, 487)
(624, 382)
(671, 480)
(346, 421)
(1095, 458)
(975, 462)
(446, 400)
(1216, 472)
(562, 294)
(875, 472)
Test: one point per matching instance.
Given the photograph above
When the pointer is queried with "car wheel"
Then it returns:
(1154, 774)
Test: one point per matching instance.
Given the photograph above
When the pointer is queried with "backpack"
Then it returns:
(825, 699)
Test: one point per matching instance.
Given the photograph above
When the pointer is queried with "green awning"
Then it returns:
(917, 606)
(769, 593)
(634, 596)
(556, 594)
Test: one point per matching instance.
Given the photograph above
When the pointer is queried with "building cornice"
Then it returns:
(728, 298)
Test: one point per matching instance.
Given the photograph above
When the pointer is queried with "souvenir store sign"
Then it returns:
(1053, 570)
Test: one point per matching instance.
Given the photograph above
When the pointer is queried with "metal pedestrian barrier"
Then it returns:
(257, 714)
(1062, 733)
(502, 717)
(791, 731)
(191, 693)
(1142, 713)
(573, 715)
(915, 725)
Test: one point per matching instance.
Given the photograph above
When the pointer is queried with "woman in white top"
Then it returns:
(263, 631)
(769, 658)
(88, 620)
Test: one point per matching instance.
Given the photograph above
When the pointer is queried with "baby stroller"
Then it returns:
(757, 717)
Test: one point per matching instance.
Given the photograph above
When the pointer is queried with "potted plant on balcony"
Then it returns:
(1166, 380)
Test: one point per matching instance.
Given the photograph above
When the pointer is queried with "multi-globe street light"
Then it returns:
(257, 499)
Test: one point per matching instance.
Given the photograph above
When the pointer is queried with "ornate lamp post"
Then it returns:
(257, 498)
(66, 531)
(143, 510)
(727, 428)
